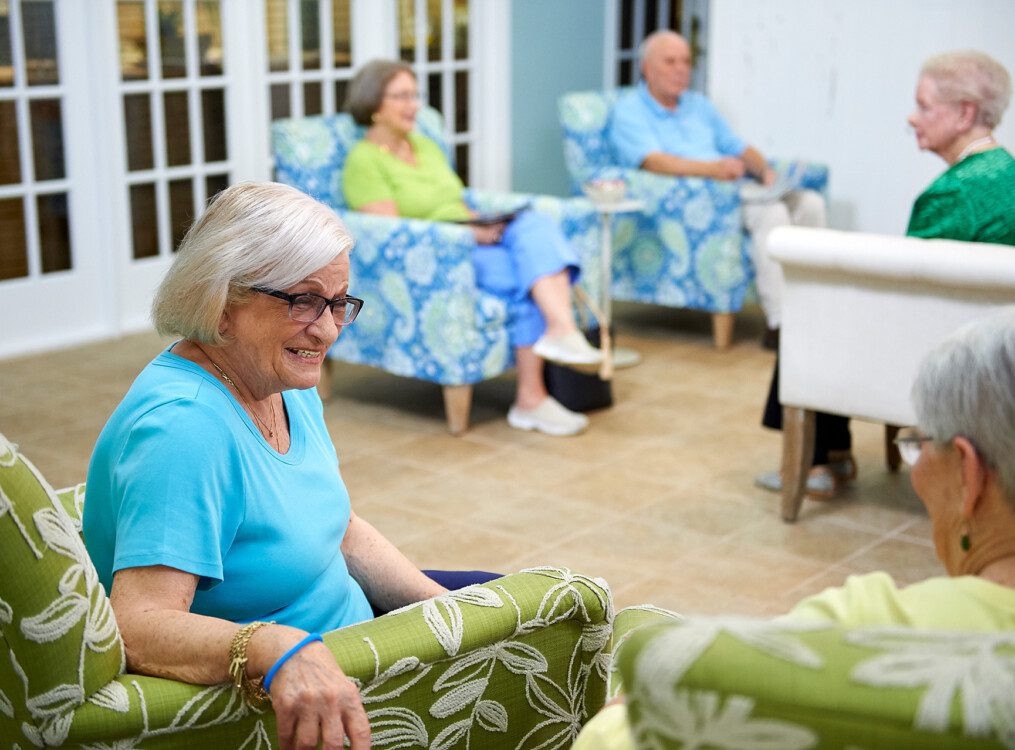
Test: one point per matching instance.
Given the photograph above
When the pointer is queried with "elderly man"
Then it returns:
(662, 127)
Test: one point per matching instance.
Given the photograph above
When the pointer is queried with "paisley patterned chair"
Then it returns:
(519, 662)
(687, 247)
(735, 682)
(424, 317)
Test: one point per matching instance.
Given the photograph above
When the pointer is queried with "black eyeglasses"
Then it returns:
(307, 307)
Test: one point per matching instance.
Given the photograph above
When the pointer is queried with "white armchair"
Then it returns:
(859, 313)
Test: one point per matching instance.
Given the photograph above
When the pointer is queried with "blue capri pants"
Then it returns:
(532, 247)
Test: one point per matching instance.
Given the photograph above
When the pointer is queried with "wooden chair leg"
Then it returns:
(457, 402)
(722, 330)
(324, 384)
(892, 456)
(797, 454)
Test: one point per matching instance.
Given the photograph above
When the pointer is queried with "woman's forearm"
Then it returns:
(388, 578)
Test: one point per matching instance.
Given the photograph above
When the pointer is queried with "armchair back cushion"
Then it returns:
(741, 682)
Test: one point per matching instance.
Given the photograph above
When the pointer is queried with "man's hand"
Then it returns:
(487, 234)
(767, 177)
(728, 168)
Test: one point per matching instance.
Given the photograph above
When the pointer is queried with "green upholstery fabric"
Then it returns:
(745, 683)
(520, 662)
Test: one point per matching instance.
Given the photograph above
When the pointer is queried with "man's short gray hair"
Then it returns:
(252, 234)
(966, 386)
(647, 42)
(366, 92)
(971, 76)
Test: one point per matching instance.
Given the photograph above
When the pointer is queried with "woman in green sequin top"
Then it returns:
(959, 101)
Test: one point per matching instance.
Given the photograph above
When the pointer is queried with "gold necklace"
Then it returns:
(271, 403)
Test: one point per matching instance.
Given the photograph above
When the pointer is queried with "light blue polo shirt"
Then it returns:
(639, 126)
(182, 477)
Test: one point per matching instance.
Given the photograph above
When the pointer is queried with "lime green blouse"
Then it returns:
(974, 200)
(428, 190)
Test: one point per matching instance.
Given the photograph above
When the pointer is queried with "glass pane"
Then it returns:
(133, 41)
(341, 91)
(279, 100)
(310, 30)
(40, 42)
(215, 184)
(6, 58)
(434, 90)
(676, 14)
(54, 232)
(181, 208)
(312, 98)
(625, 76)
(626, 24)
(143, 222)
(461, 101)
(342, 34)
(213, 116)
(209, 37)
(651, 18)
(10, 159)
(462, 161)
(277, 25)
(177, 128)
(13, 249)
(47, 138)
(461, 11)
(407, 30)
(174, 63)
(433, 29)
(137, 114)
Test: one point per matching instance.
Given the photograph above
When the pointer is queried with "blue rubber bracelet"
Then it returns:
(286, 656)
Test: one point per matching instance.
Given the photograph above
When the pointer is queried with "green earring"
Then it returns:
(964, 542)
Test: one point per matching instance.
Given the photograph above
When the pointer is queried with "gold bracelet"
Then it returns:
(252, 690)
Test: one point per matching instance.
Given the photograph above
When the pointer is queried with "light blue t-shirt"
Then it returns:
(182, 477)
(639, 126)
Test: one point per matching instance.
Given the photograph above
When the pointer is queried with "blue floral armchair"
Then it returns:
(687, 247)
(424, 317)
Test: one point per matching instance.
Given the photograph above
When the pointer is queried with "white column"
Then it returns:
(490, 47)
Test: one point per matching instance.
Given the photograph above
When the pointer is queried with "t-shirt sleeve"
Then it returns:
(940, 213)
(727, 142)
(630, 138)
(364, 180)
(180, 503)
(864, 600)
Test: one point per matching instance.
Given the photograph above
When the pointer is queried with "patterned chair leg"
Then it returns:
(797, 453)
(722, 330)
(457, 402)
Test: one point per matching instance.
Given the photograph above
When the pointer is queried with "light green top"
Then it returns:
(964, 603)
(427, 190)
(973, 200)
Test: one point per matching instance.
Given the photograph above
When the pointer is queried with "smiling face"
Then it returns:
(667, 68)
(936, 123)
(399, 104)
(271, 353)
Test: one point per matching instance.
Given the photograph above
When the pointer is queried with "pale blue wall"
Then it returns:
(556, 47)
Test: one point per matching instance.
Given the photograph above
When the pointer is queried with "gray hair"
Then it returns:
(647, 42)
(966, 386)
(366, 92)
(252, 234)
(971, 76)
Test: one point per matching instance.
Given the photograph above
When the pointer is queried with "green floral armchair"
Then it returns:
(733, 682)
(520, 662)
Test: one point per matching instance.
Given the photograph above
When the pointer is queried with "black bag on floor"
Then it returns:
(579, 391)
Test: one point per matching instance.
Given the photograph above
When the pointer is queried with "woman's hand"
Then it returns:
(315, 703)
(487, 234)
(728, 168)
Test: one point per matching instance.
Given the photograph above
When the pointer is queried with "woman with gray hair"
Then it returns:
(215, 513)
(962, 455)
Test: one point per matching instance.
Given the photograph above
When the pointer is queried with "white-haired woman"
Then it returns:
(962, 454)
(960, 98)
(214, 502)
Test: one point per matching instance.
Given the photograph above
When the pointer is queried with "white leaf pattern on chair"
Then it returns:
(56, 701)
(396, 728)
(458, 698)
(56, 619)
(113, 696)
(965, 665)
(258, 738)
(6, 707)
(451, 735)
(492, 716)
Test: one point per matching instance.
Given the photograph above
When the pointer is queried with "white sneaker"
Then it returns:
(550, 417)
(569, 349)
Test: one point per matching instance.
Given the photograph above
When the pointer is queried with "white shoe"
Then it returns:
(549, 417)
(569, 349)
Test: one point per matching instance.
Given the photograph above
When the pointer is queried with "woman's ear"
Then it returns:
(224, 323)
(974, 474)
(967, 114)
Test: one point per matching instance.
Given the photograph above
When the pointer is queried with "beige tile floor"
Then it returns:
(656, 497)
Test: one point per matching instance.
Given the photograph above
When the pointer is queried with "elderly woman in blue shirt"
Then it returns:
(215, 512)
